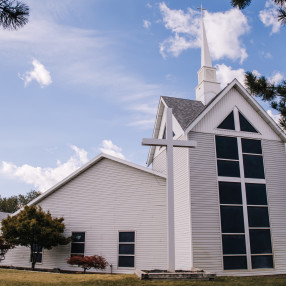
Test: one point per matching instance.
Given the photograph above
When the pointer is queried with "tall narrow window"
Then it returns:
(37, 250)
(77, 244)
(227, 155)
(232, 226)
(259, 226)
(126, 249)
(245, 225)
(252, 159)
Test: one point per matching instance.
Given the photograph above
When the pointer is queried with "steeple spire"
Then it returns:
(207, 87)
(205, 53)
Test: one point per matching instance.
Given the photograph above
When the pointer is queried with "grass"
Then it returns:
(23, 278)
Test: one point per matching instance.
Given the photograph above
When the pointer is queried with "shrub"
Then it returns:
(87, 262)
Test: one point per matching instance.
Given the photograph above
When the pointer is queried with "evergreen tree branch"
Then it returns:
(275, 94)
(13, 14)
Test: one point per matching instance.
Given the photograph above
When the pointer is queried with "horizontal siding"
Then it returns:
(159, 162)
(182, 209)
(205, 217)
(107, 198)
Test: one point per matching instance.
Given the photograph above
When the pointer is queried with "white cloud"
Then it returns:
(39, 74)
(145, 108)
(111, 149)
(276, 117)
(276, 78)
(225, 74)
(148, 5)
(146, 24)
(144, 124)
(44, 178)
(268, 16)
(186, 32)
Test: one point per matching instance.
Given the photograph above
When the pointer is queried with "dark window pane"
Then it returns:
(262, 261)
(256, 194)
(77, 248)
(230, 193)
(38, 258)
(260, 241)
(228, 122)
(126, 261)
(232, 219)
(234, 262)
(251, 146)
(226, 147)
(258, 216)
(78, 236)
(126, 248)
(233, 244)
(253, 166)
(228, 168)
(127, 236)
(245, 125)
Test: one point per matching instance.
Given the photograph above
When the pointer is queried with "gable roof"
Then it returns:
(184, 110)
(87, 166)
(189, 112)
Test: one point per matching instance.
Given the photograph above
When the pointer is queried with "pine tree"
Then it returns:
(275, 94)
(13, 14)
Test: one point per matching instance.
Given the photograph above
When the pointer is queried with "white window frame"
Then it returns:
(134, 255)
(79, 254)
(242, 180)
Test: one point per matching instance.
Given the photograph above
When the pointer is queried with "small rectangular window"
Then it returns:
(233, 244)
(232, 219)
(77, 244)
(253, 166)
(258, 216)
(234, 262)
(38, 251)
(260, 241)
(256, 194)
(126, 249)
(262, 261)
(251, 146)
(228, 168)
(226, 147)
(230, 193)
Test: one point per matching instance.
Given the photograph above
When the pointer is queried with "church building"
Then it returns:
(229, 193)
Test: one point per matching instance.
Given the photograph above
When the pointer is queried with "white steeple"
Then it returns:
(207, 87)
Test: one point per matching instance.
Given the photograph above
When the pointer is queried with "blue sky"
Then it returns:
(84, 77)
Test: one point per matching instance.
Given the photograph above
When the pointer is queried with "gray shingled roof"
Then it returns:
(185, 110)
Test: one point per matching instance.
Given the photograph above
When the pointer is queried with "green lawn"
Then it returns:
(17, 277)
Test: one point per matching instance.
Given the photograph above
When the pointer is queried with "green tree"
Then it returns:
(13, 14)
(4, 247)
(14, 203)
(275, 94)
(36, 229)
(241, 4)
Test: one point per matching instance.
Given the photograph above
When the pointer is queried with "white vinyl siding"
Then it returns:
(103, 200)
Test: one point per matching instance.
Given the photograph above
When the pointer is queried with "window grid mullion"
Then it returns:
(244, 205)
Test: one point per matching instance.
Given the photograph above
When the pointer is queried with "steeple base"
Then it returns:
(206, 91)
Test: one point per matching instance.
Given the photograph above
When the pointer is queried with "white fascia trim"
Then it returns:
(161, 107)
(85, 167)
(236, 84)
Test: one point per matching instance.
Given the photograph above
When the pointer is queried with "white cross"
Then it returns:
(170, 143)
